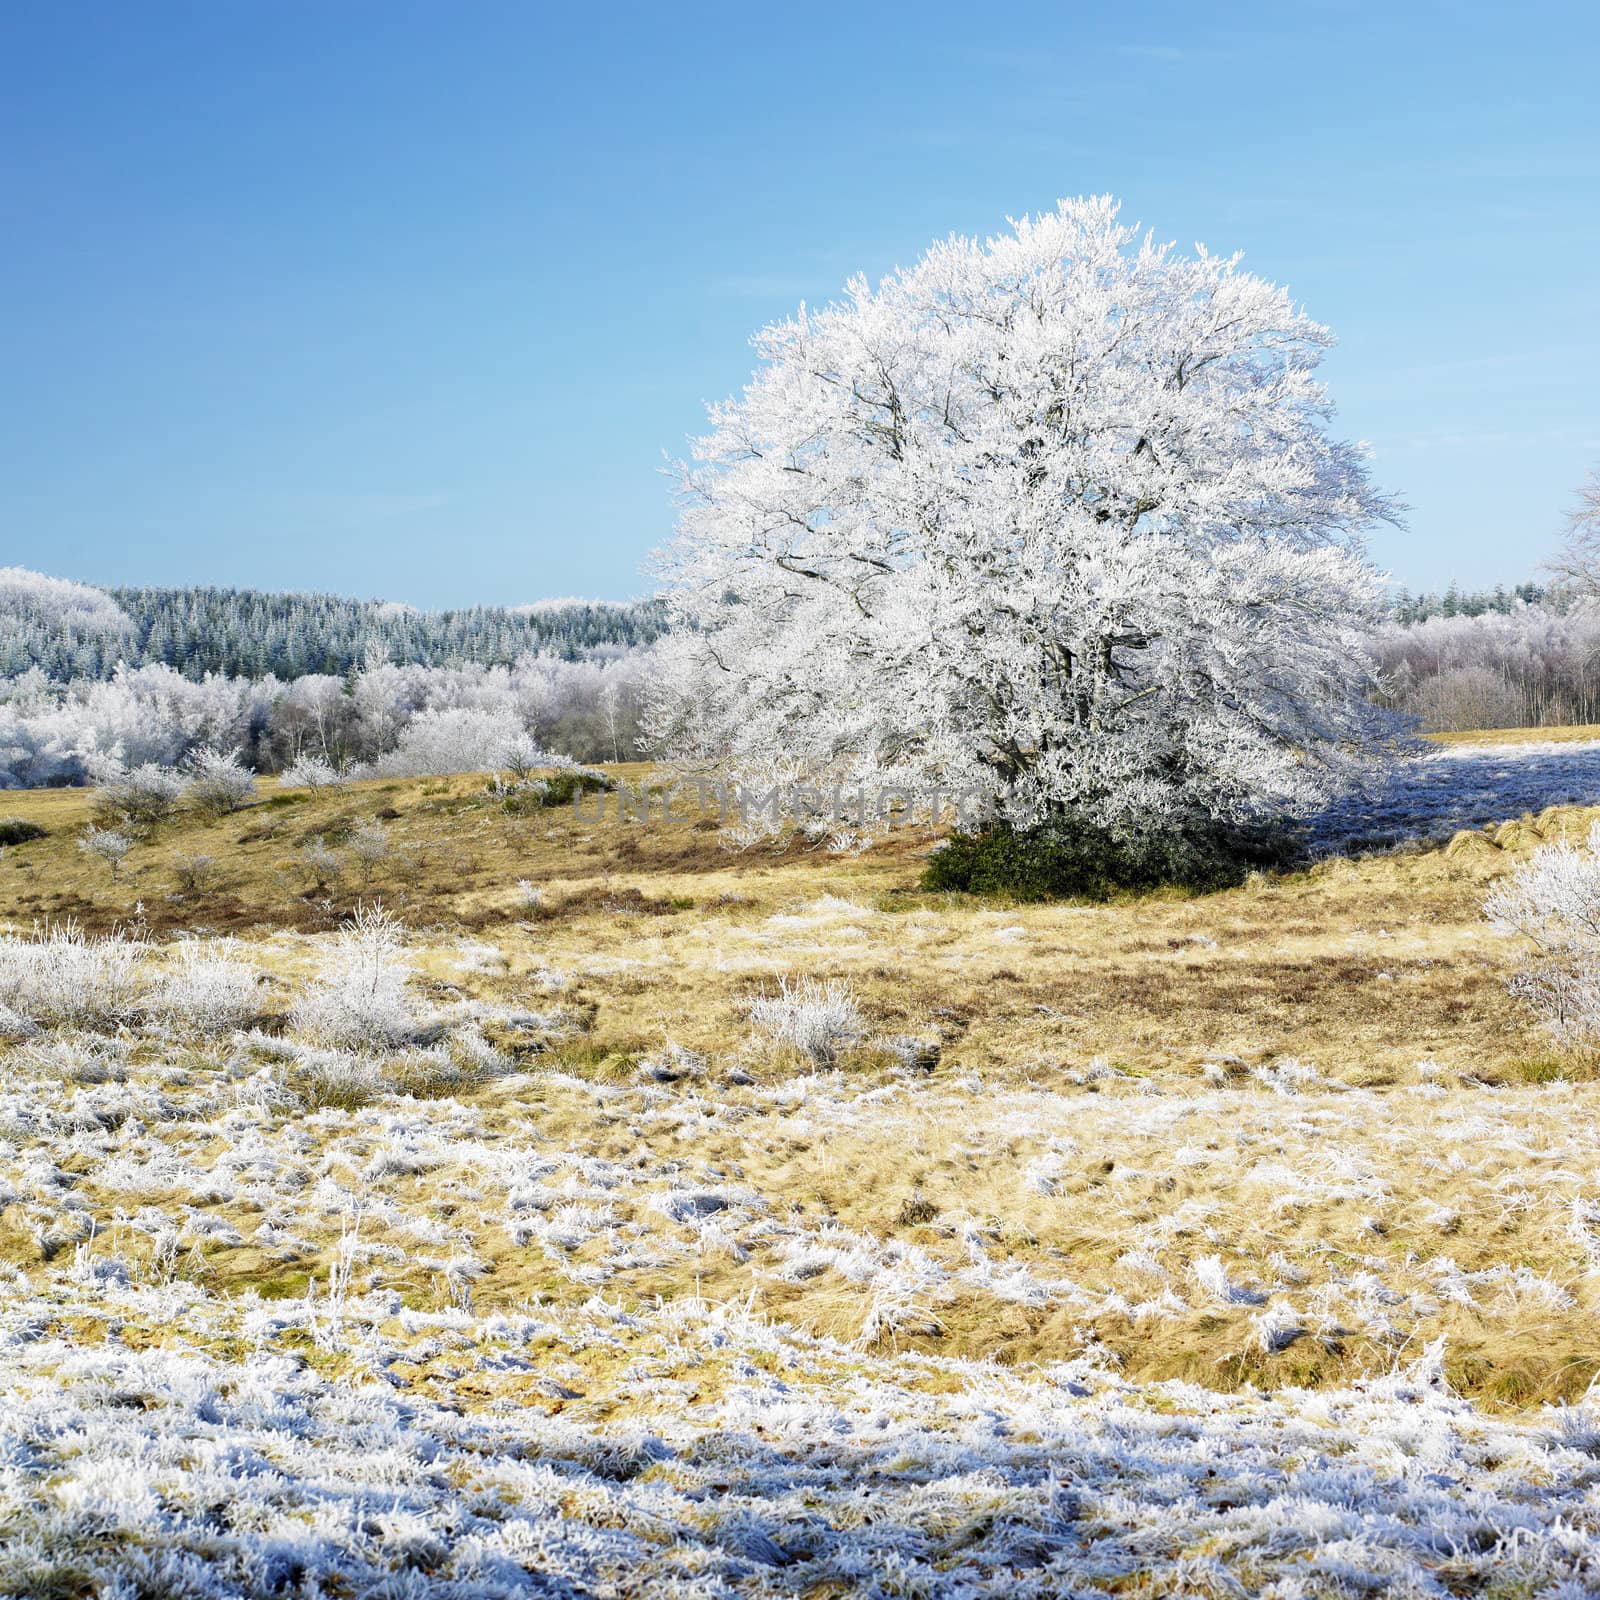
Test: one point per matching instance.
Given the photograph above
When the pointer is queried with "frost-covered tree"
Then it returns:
(67, 628)
(1056, 516)
(462, 739)
(1533, 665)
(108, 845)
(72, 630)
(369, 847)
(1576, 567)
(219, 783)
(1553, 901)
(143, 796)
(312, 772)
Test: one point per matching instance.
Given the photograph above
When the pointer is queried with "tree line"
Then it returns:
(1455, 601)
(94, 680)
(1531, 667)
(69, 631)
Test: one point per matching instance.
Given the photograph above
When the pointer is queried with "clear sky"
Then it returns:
(411, 299)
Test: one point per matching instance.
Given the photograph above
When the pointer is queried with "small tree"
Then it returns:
(312, 772)
(362, 1000)
(1468, 697)
(522, 756)
(369, 845)
(322, 862)
(219, 783)
(144, 796)
(1055, 518)
(610, 706)
(107, 845)
(196, 874)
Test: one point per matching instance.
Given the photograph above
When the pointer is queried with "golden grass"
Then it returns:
(1362, 969)
(1577, 733)
(1363, 966)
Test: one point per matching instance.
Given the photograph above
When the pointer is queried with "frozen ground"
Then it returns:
(751, 1461)
(401, 1347)
(1461, 786)
(319, 1277)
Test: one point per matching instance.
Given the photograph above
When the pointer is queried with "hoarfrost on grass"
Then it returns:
(817, 1019)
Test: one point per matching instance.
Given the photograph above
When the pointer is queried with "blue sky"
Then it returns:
(411, 300)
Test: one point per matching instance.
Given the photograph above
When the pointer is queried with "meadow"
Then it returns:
(625, 1211)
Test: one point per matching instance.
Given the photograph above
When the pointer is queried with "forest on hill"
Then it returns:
(251, 633)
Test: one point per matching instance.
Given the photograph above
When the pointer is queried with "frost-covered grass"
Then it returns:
(1237, 1245)
(60, 976)
(817, 1019)
(686, 1334)
(1458, 786)
(697, 1452)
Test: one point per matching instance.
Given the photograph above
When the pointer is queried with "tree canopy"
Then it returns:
(1058, 515)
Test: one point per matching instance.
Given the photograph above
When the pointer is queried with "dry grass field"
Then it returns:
(1279, 1159)
(1363, 967)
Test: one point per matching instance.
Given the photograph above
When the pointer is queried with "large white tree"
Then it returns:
(1056, 515)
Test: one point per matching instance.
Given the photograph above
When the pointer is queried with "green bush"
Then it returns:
(1074, 859)
(14, 830)
(575, 780)
(540, 794)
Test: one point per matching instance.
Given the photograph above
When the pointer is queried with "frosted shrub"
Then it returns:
(817, 1019)
(369, 846)
(482, 958)
(1564, 995)
(519, 794)
(108, 845)
(63, 978)
(205, 991)
(530, 898)
(13, 1025)
(361, 1002)
(311, 772)
(147, 794)
(460, 739)
(321, 862)
(1553, 901)
(219, 783)
(1468, 697)
(195, 873)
